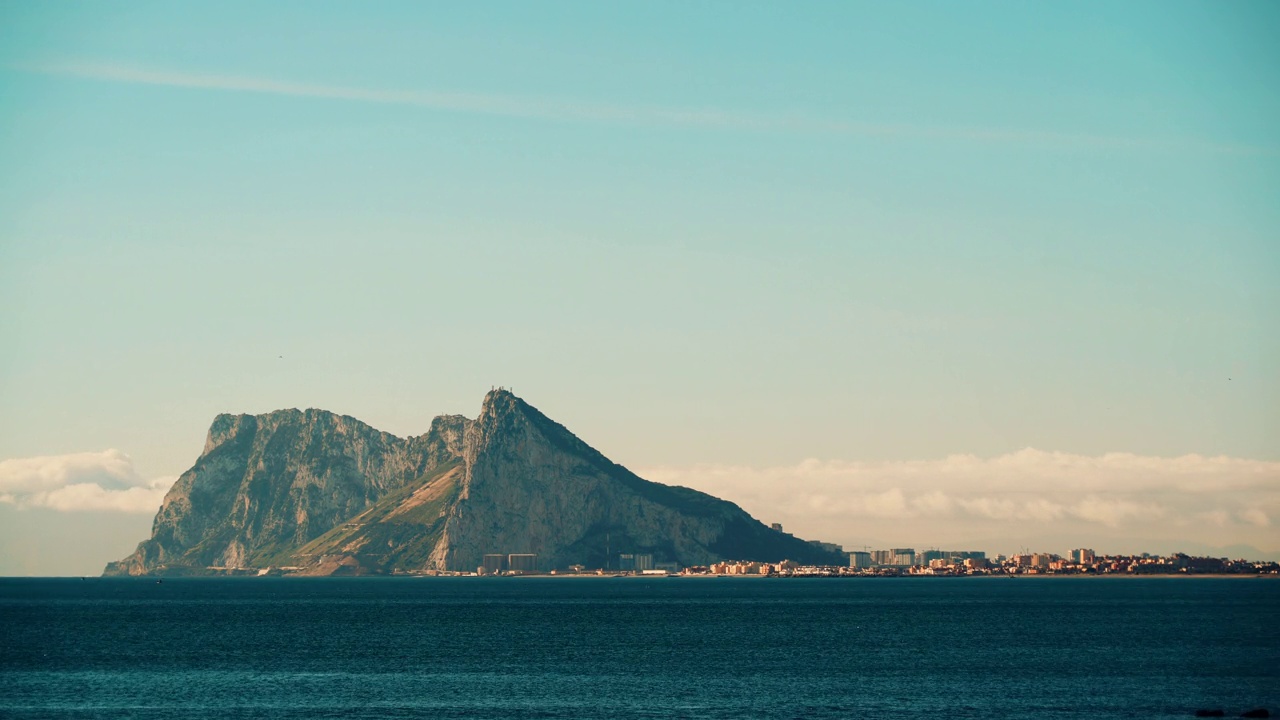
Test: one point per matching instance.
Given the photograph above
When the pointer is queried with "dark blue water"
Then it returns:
(638, 648)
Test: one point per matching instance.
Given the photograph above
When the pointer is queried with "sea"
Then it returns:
(404, 647)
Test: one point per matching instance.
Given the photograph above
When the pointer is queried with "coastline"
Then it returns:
(700, 576)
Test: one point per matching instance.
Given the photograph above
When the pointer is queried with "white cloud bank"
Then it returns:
(102, 481)
(1029, 496)
(1118, 502)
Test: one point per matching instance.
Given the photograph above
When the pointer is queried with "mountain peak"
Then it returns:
(501, 413)
(500, 399)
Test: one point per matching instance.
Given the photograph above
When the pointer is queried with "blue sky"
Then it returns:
(716, 233)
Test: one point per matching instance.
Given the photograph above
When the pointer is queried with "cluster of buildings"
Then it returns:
(1078, 561)
(744, 568)
(908, 557)
(1081, 561)
(510, 564)
(1085, 561)
(908, 561)
(527, 564)
(643, 563)
(896, 561)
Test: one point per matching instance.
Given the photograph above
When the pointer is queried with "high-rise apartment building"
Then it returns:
(926, 557)
(1082, 556)
(522, 562)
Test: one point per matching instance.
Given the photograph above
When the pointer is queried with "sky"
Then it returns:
(917, 274)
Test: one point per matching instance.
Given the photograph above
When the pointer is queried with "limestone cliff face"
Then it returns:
(531, 486)
(267, 484)
(331, 494)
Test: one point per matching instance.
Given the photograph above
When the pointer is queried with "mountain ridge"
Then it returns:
(328, 493)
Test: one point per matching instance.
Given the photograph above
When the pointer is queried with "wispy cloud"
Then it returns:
(568, 110)
(1028, 494)
(80, 481)
(484, 104)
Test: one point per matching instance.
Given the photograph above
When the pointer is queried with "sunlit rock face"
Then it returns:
(266, 485)
(328, 494)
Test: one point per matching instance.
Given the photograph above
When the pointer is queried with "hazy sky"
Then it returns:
(843, 263)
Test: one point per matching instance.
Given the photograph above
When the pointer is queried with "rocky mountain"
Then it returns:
(329, 494)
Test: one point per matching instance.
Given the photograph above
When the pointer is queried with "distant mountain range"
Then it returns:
(329, 494)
